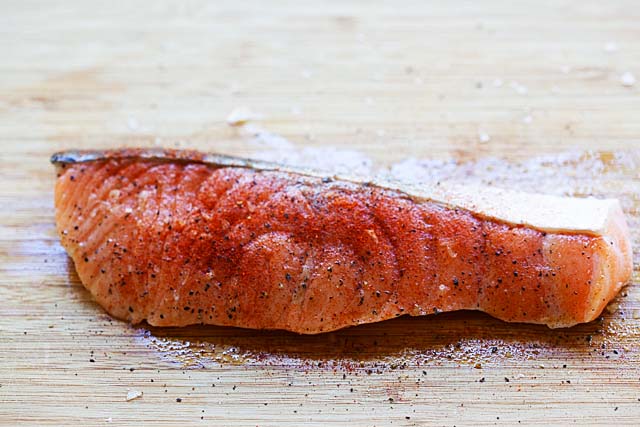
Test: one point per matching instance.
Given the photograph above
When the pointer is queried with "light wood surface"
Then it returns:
(457, 81)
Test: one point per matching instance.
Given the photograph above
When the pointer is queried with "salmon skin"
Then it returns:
(181, 237)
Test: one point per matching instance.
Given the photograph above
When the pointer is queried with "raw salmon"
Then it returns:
(180, 237)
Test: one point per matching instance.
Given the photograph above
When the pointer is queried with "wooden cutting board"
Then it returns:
(520, 95)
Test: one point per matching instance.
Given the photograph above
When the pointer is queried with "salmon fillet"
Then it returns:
(180, 237)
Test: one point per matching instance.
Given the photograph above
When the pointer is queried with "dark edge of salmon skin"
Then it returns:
(171, 155)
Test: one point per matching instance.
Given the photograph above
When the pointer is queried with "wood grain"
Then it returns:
(391, 80)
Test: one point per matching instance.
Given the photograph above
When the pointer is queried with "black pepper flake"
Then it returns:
(287, 276)
(178, 399)
(455, 281)
(92, 360)
(506, 380)
(481, 380)
(130, 309)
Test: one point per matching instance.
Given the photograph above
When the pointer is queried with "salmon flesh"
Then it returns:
(181, 237)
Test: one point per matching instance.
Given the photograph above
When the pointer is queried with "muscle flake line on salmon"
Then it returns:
(181, 237)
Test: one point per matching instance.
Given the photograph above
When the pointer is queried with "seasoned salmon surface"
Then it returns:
(180, 237)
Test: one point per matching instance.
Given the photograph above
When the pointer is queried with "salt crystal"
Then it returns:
(565, 69)
(306, 74)
(133, 394)
(497, 83)
(483, 137)
(627, 79)
(611, 47)
(527, 119)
